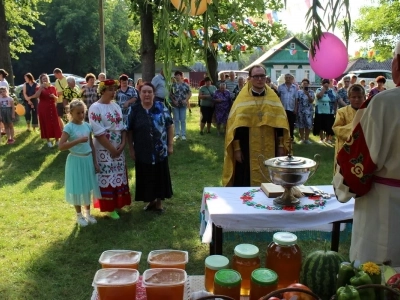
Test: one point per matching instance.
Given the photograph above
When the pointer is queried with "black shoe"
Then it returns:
(150, 206)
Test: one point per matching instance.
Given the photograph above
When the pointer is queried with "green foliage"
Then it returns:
(379, 25)
(335, 11)
(20, 16)
(70, 39)
(221, 13)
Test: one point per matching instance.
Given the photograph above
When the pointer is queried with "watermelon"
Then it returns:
(319, 272)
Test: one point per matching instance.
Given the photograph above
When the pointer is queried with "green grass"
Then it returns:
(44, 255)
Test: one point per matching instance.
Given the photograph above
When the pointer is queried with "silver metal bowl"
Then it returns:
(289, 171)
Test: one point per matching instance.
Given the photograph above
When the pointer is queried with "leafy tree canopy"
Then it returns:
(20, 16)
(379, 25)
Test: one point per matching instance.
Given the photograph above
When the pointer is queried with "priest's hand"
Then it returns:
(238, 156)
(281, 151)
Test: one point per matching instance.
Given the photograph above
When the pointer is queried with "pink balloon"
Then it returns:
(331, 58)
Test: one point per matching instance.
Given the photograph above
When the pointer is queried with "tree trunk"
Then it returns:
(212, 65)
(148, 47)
(5, 56)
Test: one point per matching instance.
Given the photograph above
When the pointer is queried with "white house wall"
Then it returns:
(299, 73)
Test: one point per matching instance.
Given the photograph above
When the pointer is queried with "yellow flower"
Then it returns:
(358, 170)
(109, 82)
(371, 268)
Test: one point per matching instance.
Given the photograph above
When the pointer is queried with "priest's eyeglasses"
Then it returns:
(262, 76)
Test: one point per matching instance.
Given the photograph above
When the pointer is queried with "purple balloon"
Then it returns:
(331, 58)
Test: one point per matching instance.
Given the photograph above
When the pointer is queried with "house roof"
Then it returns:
(365, 64)
(272, 51)
(159, 65)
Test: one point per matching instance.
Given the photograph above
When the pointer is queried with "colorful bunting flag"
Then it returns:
(193, 33)
(268, 16)
(275, 16)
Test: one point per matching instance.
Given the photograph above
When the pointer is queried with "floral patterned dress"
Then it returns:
(222, 108)
(106, 119)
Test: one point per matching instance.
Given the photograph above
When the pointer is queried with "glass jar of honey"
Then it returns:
(213, 264)
(245, 261)
(263, 281)
(227, 283)
(284, 257)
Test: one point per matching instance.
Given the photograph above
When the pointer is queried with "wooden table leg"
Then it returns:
(218, 240)
(335, 236)
(213, 240)
(336, 233)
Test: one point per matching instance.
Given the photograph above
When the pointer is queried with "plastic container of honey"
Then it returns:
(164, 283)
(213, 263)
(120, 259)
(168, 259)
(245, 261)
(284, 257)
(227, 282)
(263, 281)
(116, 283)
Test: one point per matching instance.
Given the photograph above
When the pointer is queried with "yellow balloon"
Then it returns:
(194, 11)
(20, 110)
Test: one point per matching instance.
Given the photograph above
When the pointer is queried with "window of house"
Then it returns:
(293, 73)
(292, 46)
(278, 73)
(307, 74)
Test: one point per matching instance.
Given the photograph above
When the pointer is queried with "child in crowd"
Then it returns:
(7, 114)
(81, 166)
(343, 125)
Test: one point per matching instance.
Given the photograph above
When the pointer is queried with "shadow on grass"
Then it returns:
(27, 154)
(52, 173)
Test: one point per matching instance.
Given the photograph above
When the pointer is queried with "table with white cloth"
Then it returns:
(248, 209)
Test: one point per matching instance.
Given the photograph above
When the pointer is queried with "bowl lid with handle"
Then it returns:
(290, 162)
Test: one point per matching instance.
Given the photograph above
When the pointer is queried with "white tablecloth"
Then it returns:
(249, 209)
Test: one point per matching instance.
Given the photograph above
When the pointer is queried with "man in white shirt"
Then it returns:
(159, 84)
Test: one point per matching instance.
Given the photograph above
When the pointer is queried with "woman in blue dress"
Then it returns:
(150, 140)
(81, 166)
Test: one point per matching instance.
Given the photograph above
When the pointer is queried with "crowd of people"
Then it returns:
(256, 117)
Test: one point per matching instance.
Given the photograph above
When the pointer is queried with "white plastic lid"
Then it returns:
(120, 257)
(285, 238)
(115, 277)
(246, 250)
(168, 257)
(164, 277)
(216, 262)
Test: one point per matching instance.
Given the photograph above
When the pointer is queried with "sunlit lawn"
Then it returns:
(44, 255)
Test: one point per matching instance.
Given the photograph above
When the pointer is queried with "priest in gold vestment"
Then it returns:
(257, 129)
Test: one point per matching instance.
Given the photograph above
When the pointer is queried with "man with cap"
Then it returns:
(368, 171)
(126, 96)
(159, 84)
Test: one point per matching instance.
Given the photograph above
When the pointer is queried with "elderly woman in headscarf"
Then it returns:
(222, 99)
(109, 131)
